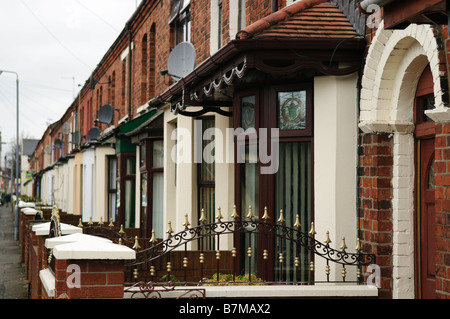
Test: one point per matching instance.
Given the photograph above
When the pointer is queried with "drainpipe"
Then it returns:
(130, 61)
(369, 6)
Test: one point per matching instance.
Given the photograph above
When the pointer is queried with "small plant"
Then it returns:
(239, 280)
(172, 278)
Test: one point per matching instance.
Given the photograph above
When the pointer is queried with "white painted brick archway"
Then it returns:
(395, 62)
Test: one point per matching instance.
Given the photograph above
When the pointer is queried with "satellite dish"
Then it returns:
(93, 133)
(58, 143)
(105, 114)
(65, 128)
(181, 60)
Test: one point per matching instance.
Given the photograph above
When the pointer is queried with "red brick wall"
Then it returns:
(374, 203)
(442, 209)
(98, 279)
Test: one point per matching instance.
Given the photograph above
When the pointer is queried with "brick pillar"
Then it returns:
(25, 215)
(87, 268)
(374, 203)
(442, 209)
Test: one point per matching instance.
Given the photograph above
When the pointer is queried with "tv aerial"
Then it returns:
(181, 60)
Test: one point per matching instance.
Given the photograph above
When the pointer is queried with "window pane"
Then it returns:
(431, 182)
(250, 197)
(130, 203)
(207, 168)
(248, 112)
(131, 166)
(293, 195)
(112, 206)
(142, 154)
(158, 153)
(292, 110)
(112, 172)
(157, 204)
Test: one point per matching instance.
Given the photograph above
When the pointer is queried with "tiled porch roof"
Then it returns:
(302, 19)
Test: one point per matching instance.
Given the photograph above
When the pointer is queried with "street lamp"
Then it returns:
(16, 223)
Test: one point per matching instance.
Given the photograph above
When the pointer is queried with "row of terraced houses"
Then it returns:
(348, 104)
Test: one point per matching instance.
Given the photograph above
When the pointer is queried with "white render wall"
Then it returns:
(335, 165)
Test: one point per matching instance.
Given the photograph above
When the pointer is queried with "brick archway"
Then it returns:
(394, 64)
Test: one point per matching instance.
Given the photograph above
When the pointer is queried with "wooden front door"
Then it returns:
(425, 241)
(426, 221)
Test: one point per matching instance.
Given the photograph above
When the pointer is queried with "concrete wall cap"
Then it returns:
(44, 229)
(29, 211)
(71, 238)
(93, 249)
(23, 204)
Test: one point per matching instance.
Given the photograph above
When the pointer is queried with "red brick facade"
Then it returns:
(442, 209)
(374, 203)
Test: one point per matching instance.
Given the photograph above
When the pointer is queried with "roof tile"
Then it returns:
(302, 19)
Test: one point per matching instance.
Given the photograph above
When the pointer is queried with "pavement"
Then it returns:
(12, 271)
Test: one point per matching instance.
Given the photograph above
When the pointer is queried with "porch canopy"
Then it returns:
(305, 39)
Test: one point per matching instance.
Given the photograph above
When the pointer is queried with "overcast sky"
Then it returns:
(53, 45)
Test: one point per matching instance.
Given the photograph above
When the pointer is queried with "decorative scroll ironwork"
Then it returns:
(172, 256)
(152, 290)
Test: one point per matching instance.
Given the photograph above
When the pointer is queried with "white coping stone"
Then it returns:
(29, 211)
(23, 204)
(44, 228)
(275, 291)
(317, 290)
(93, 249)
(52, 242)
(48, 280)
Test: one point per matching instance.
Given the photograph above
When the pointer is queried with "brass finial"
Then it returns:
(152, 271)
(153, 238)
(121, 231)
(312, 231)
(358, 245)
(55, 211)
(80, 224)
(297, 222)
(50, 256)
(202, 217)
(281, 258)
(281, 219)
(169, 229)
(250, 212)
(343, 245)
(234, 215)
(266, 215)
(111, 224)
(233, 252)
(186, 221)
(90, 221)
(219, 214)
(136, 243)
(327, 239)
(100, 221)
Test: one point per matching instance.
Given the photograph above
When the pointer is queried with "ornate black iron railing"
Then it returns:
(182, 257)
